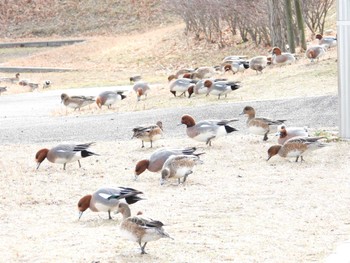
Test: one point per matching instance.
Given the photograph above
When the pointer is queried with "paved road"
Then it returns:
(26, 118)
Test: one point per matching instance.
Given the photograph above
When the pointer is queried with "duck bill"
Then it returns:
(80, 214)
(38, 165)
(268, 158)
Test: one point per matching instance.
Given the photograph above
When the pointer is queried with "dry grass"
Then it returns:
(234, 207)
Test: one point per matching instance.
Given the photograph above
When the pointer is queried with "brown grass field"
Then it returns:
(236, 207)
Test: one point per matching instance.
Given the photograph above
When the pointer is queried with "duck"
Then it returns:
(206, 130)
(285, 133)
(106, 199)
(180, 85)
(3, 89)
(281, 58)
(139, 228)
(157, 159)
(219, 88)
(46, 84)
(148, 133)
(315, 52)
(135, 78)
(235, 66)
(327, 42)
(178, 166)
(204, 72)
(64, 153)
(11, 80)
(181, 72)
(76, 102)
(260, 126)
(199, 88)
(108, 98)
(295, 147)
(258, 63)
(141, 89)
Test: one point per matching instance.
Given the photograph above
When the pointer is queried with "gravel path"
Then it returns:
(28, 118)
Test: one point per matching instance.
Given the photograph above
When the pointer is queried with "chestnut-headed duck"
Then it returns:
(327, 42)
(155, 162)
(180, 85)
(285, 133)
(148, 133)
(141, 89)
(106, 199)
(258, 63)
(64, 153)
(108, 98)
(281, 58)
(3, 89)
(10, 79)
(235, 66)
(295, 147)
(219, 88)
(76, 102)
(315, 52)
(140, 229)
(259, 126)
(179, 166)
(206, 130)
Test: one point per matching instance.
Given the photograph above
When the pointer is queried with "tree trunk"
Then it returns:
(300, 20)
(276, 23)
(291, 41)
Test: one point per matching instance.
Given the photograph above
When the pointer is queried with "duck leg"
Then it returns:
(64, 166)
(143, 248)
(265, 137)
(109, 214)
(142, 145)
(79, 163)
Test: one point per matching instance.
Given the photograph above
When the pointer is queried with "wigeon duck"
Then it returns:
(199, 88)
(260, 126)
(76, 102)
(64, 153)
(285, 133)
(106, 199)
(24, 82)
(10, 80)
(206, 130)
(148, 133)
(327, 42)
(235, 66)
(258, 63)
(181, 72)
(135, 78)
(141, 89)
(3, 89)
(46, 84)
(281, 58)
(155, 162)
(179, 166)
(140, 229)
(315, 52)
(219, 88)
(108, 98)
(180, 85)
(204, 72)
(295, 147)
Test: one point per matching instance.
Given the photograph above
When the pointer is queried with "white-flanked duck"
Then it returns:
(279, 57)
(108, 98)
(220, 88)
(285, 133)
(106, 199)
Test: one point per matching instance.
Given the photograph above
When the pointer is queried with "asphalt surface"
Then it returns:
(27, 118)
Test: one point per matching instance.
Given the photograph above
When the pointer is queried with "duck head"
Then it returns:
(41, 156)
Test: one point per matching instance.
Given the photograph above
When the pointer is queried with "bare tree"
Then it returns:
(315, 12)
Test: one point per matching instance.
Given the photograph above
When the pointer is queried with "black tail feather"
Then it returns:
(86, 153)
(229, 129)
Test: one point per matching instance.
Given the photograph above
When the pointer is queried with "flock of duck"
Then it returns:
(178, 163)
(16, 80)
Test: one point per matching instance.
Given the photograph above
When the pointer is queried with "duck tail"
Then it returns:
(86, 153)
(229, 129)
